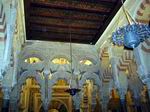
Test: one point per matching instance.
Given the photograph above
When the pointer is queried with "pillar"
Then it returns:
(123, 107)
(10, 31)
(137, 104)
(148, 87)
(142, 59)
(45, 91)
(13, 106)
(77, 101)
(6, 99)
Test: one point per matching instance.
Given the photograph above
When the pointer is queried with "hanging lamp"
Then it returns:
(132, 34)
(72, 90)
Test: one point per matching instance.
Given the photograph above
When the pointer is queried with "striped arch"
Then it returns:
(2, 24)
(125, 61)
(3, 31)
(22, 79)
(104, 53)
(107, 75)
(141, 16)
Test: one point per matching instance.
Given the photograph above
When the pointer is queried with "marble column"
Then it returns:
(148, 87)
(6, 99)
(13, 106)
(123, 107)
(137, 104)
(77, 101)
(122, 93)
(46, 98)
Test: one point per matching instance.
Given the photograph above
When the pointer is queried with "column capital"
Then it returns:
(46, 72)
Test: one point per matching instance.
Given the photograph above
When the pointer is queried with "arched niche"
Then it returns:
(59, 89)
(90, 95)
(17, 89)
(30, 96)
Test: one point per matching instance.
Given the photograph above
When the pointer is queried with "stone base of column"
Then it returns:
(13, 106)
(77, 110)
(44, 109)
(5, 105)
(123, 107)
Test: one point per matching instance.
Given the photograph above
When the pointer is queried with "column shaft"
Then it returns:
(5, 105)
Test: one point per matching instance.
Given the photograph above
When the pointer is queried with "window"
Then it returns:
(86, 62)
(32, 60)
(60, 61)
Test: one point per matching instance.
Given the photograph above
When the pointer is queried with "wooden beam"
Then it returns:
(50, 24)
(63, 14)
(66, 31)
(72, 5)
(58, 37)
(59, 29)
(65, 22)
(106, 3)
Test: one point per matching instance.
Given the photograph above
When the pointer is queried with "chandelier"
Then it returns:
(132, 34)
(72, 90)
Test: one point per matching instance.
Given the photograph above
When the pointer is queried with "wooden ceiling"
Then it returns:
(58, 20)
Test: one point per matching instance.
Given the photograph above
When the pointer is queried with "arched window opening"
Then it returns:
(32, 60)
(60, 61)
(86, 62)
